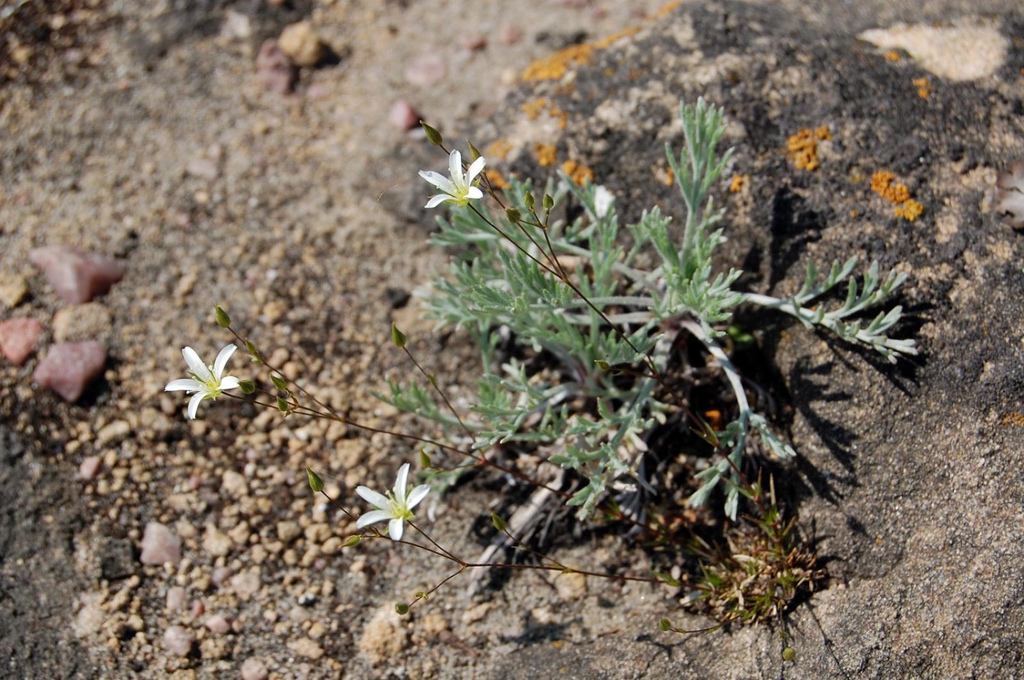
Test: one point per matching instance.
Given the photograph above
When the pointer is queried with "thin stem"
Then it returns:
(433, 383)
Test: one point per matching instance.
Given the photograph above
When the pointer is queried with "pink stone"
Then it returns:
(203, 168)
(474, 42)
(218, 624)
(178, 640)
(198, 608)
(402, 116)
(69, 367)
(274, 70)
(77, 276)
(159, 545)
(426, 70)
(176, 598)
(509, 34)
(89, 467)
(18, 339)
(253, 669)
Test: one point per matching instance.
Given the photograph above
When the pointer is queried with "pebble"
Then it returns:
(402, 116)
(77, 276)
(474, 42)
(274, 70)
(235, 483)
(218, 624)
(197, 608)
(13, 289)
(307, 648)
(571, 586)
(302, 45)
(176, 597)
(215, 542)
(112, 433)
(474, 614)
(178, 640)
(288, 531)
(203, 168)
(425, 70)
(159, 545)
(89, 467)
(220, 575)
(509, 34)
(69, 367)
(253, 669)
(246, 584)
(236, 26)
(384, 636)
(18, 339)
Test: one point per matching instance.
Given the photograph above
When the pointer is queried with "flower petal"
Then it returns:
(455, 168)
(196, 365)
(437, 200)
(193, 404)
(229, 383)
(222, 360)
(417, 495)
(372, 497)
(438, 180)
(475, 169)
(395, 529)
(402, 483)
(474, 193)
(372, 517)
(183, 384)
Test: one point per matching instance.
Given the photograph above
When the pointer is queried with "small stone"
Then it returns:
(215, 542)
(473, 42)
(159, 545)
(425, 70)
(302, 45)
(402, 116)
(202, 168)
(77, 276)
(69, 367)
(218, 624)
(274, 70)
(253, 669)
(384, 636)
(236, 26)
(235, 483)
(474, 614)
(178, 640)
(571, 586)
(91, 321)
(246, 584)
(220, 575)
(176, 597)
(509, 34)
(288, 531)
(18, 339)
(307, 648)
(113, 433)
(197, 608)
(213, 648)
(13, 289)
(434, 624)
(117, 558)
(88, 468)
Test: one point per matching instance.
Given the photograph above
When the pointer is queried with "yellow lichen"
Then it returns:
(803, 147)
(496, 179)
(909, 210)
(557, 65)
(578, 173)
(546, 154)
(665, 9)
(738, 183)
(892, 55)
(499, 149)
(1013, 418)
(924, 88)
(882, 183)
(534, 108)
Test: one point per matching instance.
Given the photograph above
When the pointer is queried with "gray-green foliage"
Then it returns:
(510, 275)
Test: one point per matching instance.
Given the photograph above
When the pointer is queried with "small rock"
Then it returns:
(69, 367)
(213, 648)
(509, 34)
(220, 575)
(215, 542)
(235, 483)
(178, 640)
(176, 597)
(197, 608)
(571, 586)
(288, 531)
(402, 116)
(246, 584)
(117, 558)
(77, 276)
(425, 70)
(253, 669)
(88, 468)
(18, 339)
(201, 167)
(307, 648)
(302, 45)
(218, 624)
(113, 433)
(274, 70)
(236, 26)
(384, 636)
(13, 289)
(474, 614)
(159, 545)
(474, 42)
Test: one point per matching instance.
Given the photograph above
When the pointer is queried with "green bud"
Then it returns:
(433, 136)
(253, 352)
(425, 461)
(223, 320)
(247, 386)
(665, 625)
(548, 202)
(528, 200)
(474, 153)
(402, 608)
(788, 653)
(351, 541)
(513, 215)
(315, 483)
(498, 523)
(279, 382)
(397, 336)
(602, 365)
(283, 406)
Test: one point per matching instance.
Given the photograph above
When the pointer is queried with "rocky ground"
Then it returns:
(135, 543)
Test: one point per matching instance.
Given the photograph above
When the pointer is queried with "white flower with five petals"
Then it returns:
(395, 508)
(459, 188)
(207, 382)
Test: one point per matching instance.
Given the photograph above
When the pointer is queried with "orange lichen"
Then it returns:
(499, 149)
(496, 179)
(882, 183)
(738, 183)
(924, 88)
(803, 147)
(909, 210)
(1013, 419)
(665, 175)
(665, 9)
(534, 108)
(578, 173)
(546, 154)
(714, 419)
(892, 55)
(557, 65)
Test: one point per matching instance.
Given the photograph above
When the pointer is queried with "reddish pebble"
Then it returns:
(474, 42)
(178, 640)
(159, 545)
(402, 116)
(89, 467)
(426, 70)
(77, 276)
(509, 34)
(218, 624)
(69, 367)
(18, 339)
(198, 608)
(274, 70)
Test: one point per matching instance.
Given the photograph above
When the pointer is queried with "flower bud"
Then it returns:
(283, 406)
(433, 136)
(315, 482)
(528, 200)
(397, 336)
(513, 215)
(247, 386)
(474, 153)
(351, 541)
(402, 608)
(788, 653)
(279, 382)
(665, 625)
(548, 202)
(498, 523)
(425, 461)
(223, 320)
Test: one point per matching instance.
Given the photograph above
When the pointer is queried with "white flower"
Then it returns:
(603, 200)
(395, 508)
(207, 382)
(459, 189)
